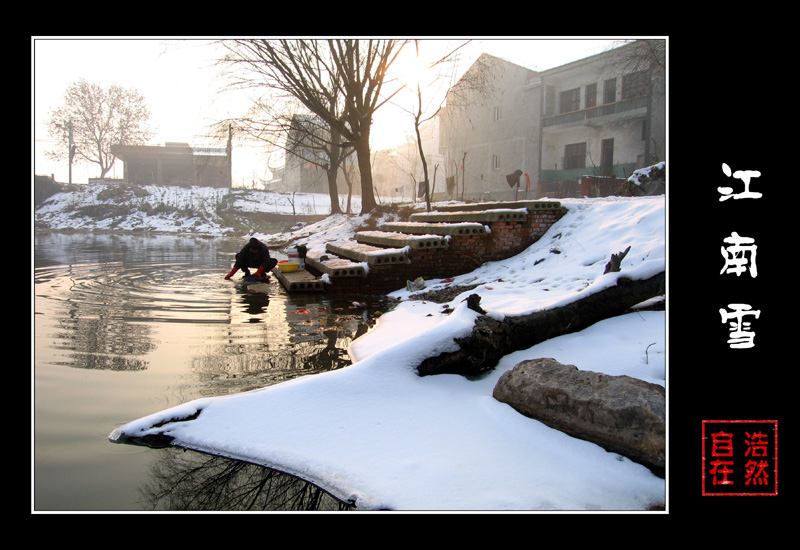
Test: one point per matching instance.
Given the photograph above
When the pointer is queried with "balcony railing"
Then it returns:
(598, 111)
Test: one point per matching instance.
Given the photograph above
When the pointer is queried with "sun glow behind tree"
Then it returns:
(180, 81)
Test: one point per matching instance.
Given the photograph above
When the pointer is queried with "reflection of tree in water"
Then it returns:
(103, 343)
(297, 340)
(187, 480)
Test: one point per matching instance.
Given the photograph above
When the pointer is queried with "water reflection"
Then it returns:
(190, 481)
(126, 325)
(301, 335)
(111, 314)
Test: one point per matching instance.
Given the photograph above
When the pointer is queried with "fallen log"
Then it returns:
(492, 339)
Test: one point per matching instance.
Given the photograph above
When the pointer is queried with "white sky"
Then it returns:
(181, 85)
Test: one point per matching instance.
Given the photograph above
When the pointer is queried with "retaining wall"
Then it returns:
(463, 254)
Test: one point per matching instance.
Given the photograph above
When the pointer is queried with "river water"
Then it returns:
(128, 325)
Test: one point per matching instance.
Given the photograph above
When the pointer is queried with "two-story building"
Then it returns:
(601, 116)
(510, 132)
(490, 131)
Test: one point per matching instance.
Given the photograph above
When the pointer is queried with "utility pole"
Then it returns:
(71, 151)
(229, 151)
(463, 173)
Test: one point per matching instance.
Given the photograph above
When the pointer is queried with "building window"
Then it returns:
(569, 100)
(610, 90)
(634, 85)
(497, 113)
(591, 95)
(575, 156)
(496, 162)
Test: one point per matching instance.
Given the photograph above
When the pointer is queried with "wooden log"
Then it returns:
(491, 339)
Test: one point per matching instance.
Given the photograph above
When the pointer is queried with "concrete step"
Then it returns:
(482, 216)
(529, 205)
(393, 239)
(371, 255)
(298, 281)
(335, 266)
(441, 229)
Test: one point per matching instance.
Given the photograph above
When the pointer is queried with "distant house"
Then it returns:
(398, 172)
(490, 130)
(176, 164)
(306, 157)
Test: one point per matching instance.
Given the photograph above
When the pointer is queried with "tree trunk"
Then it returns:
(368, 203)
(424, 166)
(333, 171)
(491, 339)
(333, 190)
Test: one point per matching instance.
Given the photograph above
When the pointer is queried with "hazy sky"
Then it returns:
(181, 85)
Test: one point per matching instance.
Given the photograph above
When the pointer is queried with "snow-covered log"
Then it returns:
(491, 339)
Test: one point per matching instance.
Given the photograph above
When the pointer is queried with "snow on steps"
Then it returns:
(400, 240)
(371, 255)
(394, 241)
(442, 229)
(336, 267)
(484, 216)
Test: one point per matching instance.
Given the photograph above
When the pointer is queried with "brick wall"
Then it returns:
(464, 254)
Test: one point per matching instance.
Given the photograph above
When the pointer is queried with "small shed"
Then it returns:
(176, 164)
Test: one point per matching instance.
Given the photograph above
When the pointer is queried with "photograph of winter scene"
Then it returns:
(382, 276)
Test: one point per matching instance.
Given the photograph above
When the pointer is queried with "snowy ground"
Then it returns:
(171, 209)
(378, 433)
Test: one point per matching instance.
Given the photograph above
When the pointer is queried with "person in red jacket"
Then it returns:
(253, 255)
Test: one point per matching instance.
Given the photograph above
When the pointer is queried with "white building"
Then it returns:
(490, 130)
(604, 115)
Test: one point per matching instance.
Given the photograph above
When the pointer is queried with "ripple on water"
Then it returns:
(128, 325)
(128, 315)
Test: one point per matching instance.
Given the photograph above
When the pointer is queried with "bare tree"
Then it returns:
(315, 136)
(341, 81)
(421, 112)
(94, 119)
(278, 125)
(406, 160)
(641, 55)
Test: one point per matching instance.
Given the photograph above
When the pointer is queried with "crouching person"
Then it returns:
(254, 255)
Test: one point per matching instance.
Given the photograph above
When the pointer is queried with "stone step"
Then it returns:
(335, 266)
(441, 229)
(529, 205)
(298, 281)
(483, 216)
(400, 240)
(371, 255)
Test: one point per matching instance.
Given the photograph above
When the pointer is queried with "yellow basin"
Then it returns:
(288, 267)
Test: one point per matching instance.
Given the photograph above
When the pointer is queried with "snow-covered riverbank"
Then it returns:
(378, 433)
(156, 208)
